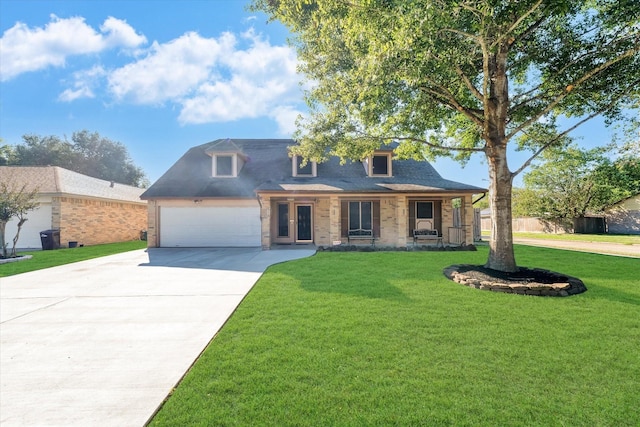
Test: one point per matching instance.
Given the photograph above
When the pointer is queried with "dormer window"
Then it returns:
(225, 165)
(309, 169)
(227, 159)
(379, 164)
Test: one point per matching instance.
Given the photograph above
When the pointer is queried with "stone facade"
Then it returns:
(94, 221)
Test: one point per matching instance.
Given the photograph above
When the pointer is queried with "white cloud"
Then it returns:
(263, 79)
(286, 117)
(208, 80)
(84, 84)
(170, 71)
(24, 49)
(120, 34)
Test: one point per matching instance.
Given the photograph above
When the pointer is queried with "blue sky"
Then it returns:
(161, 77)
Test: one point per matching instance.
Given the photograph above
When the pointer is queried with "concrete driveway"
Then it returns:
(102, 342)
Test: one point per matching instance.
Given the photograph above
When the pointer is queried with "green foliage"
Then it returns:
(87, 153)
(15, 202)
(481, 202)
(7, 154)
(384, 339)
(572, 182)
(425, 72)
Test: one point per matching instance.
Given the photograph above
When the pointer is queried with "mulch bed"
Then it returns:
(525, 281)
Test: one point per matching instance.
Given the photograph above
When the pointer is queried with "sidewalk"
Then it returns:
(618, 249)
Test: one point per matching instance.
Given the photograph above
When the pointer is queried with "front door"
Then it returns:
(304, 224)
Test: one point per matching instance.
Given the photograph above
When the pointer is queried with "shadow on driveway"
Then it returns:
(253, 260)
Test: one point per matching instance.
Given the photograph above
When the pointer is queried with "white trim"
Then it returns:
(416, 208)
(359, 202)
(294, 168)
(234, 165)
(369, 164)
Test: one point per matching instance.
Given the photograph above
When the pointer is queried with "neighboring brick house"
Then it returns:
(86, 210)
(251, 192)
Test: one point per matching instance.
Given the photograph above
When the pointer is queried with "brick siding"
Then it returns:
(94, 222)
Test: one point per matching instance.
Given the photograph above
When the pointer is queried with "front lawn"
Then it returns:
(383, 338)
(46, 259)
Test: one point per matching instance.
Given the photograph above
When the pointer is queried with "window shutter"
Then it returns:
(376, 218)
(412, 217)
(437, 216)
(344, 218)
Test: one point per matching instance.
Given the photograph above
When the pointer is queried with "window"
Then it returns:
(223, 165)
(307, 170)
(283, 220)
(424, 210)
(380, 165)
(360, 216)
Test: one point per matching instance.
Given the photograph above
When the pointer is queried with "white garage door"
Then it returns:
(210, 227)
(37, 220)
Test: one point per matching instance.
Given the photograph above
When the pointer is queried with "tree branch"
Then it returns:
(437, 146)
(559, 98)
(567, 131)
(469, 84)
(515, 25)
(443, 96)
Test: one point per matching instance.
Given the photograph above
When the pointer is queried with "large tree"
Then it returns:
(87, 153)
(460, 77)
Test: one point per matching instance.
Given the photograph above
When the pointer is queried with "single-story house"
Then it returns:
(251, 192)
(86, 210)
(624, 216)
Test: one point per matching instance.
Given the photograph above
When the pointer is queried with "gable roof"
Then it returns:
(267, 168)
(54, 180)
(223, 146)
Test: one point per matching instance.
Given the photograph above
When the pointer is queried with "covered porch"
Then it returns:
(389, 219)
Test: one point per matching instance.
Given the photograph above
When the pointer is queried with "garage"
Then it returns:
(38, 220)
(207, 226)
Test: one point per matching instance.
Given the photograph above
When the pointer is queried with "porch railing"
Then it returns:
(457, 235)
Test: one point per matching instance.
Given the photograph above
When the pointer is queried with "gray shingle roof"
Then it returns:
(57, 180)
(268, 169)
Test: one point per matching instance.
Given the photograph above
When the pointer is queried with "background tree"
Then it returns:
(455, 77)
(87, 153)
(6, 154)
(15, 202)
(573, 182)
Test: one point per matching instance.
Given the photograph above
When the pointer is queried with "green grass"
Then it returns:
(607, 238)
(378, 339)
(46, 259)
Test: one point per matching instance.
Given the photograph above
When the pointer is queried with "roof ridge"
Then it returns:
(56, 178)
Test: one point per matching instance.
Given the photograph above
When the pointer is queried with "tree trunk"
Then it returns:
(501, 256)
(17, 236)
(3, 245)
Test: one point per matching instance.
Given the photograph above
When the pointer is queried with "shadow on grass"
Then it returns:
(374, 288)
(611, 294)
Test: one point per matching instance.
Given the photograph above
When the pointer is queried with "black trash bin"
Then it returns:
(50, 239)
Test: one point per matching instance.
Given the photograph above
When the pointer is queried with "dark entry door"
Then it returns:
(304, 223)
